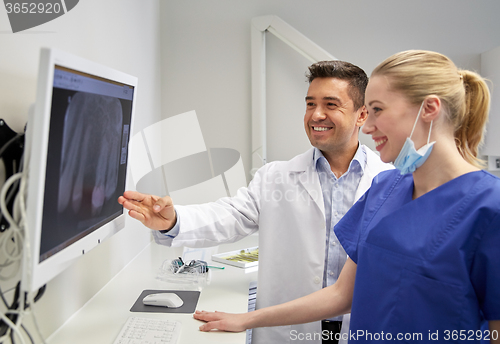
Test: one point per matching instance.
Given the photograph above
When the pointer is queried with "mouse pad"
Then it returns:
(189, 297)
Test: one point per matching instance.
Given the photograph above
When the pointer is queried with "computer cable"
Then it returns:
(14, 232)
(15, 312)
(12, 238)
(11, 319)
(9, 201)
(15, 144)
(12, 202)
(11, 326)
(2, 297)
(12, 340)
(11, 243)
(16, 139)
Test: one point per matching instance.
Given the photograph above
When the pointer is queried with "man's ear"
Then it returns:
(432, 108)
(362, 116)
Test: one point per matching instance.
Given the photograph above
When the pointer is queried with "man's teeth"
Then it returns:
(320, 128)
(379, 142)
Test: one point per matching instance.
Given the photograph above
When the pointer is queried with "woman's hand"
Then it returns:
(222, 321)
(325, 303)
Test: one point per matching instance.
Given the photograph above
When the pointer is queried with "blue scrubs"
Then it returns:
(428, 270)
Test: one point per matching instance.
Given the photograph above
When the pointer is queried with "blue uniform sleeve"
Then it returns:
(485, 272)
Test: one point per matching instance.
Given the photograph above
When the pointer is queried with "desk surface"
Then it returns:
(102, 318)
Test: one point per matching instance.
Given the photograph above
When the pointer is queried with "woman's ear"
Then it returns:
(432, 108)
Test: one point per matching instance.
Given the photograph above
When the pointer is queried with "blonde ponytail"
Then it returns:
(470, 129)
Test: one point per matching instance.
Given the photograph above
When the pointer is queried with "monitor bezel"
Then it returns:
(36, 273)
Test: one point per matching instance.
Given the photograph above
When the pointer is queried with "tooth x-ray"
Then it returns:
(85, 164)
(90, 150)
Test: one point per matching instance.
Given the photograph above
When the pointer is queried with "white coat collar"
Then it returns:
(302, 162)
(303, 169)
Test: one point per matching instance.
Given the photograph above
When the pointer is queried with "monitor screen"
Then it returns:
(87, 156)
(78, 160)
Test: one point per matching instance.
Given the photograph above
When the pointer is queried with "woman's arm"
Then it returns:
(326, 303)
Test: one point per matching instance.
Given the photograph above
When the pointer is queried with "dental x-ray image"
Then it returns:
(85, 165)
(91, 148)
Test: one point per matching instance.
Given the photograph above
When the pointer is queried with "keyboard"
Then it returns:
(139, 330)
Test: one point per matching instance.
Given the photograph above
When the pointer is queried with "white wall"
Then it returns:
(207, 55)
(490, 69)
(122, 34)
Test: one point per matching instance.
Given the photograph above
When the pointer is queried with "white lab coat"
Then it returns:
(285, 204)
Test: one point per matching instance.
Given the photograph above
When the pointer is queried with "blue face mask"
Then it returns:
(409, 159)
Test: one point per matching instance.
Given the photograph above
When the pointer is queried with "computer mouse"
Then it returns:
(170, 300)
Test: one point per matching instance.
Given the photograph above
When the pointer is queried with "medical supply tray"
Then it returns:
(245, 258)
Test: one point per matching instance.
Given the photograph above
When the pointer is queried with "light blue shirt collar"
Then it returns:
(359, 158)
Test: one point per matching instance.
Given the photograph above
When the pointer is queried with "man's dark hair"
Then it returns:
(342, 70)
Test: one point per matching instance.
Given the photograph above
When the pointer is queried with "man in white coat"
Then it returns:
(293, 204)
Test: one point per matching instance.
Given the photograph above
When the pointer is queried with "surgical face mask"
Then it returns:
(409, 159)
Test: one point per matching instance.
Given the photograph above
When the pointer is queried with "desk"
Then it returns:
(102, 318)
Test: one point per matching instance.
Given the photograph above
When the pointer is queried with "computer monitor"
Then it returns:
(77, 142)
